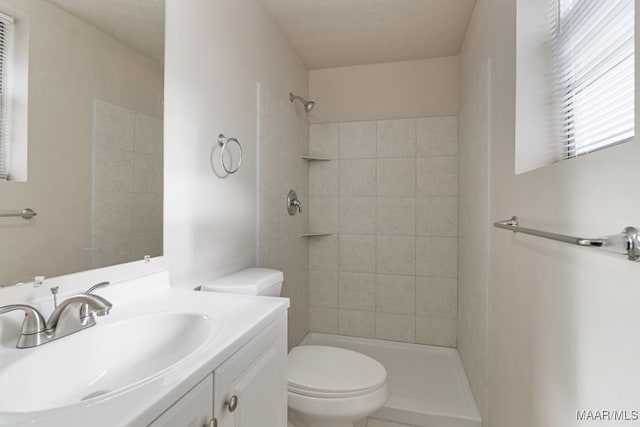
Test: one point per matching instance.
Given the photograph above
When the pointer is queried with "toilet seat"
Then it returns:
(331, 372)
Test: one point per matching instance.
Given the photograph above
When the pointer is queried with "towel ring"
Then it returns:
(223, 141)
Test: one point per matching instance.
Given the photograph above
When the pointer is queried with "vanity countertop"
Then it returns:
(234, 320)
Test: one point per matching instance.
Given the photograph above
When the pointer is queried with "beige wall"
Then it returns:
(283, 140)
(216, 53)
(397, 90)
(563, 319)
(70, 63)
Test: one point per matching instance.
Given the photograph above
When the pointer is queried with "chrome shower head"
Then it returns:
(308, 105)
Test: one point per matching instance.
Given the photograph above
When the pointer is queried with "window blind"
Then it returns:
(6, 44)
(594, 73)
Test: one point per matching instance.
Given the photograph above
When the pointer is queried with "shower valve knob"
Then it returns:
(293, 204)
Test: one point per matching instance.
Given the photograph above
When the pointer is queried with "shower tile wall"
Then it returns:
(389, 195)
(283, 140)
(127, 185)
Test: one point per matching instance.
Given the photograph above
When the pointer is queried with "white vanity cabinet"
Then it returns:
(251, 386)
(249, 389)
(192, 410)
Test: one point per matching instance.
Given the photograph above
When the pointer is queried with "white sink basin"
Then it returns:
(102, 360)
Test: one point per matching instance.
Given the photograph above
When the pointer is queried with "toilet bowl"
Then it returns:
(327, 386)
(334, 387)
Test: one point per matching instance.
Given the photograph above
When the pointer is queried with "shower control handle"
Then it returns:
(293, 204)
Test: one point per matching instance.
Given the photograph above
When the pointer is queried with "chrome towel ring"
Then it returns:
(223, 141)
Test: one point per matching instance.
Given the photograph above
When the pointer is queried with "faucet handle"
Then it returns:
(34, 322)
(33, 326)
(96, 287)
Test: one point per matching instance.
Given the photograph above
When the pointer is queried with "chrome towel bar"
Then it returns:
(25, 214)
(625, 243)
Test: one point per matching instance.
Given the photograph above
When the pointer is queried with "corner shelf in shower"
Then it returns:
(316, 234)
(316, 159)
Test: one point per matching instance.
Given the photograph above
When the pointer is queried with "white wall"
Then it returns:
(535, 128)
(70, 63)
(473, 226)
(396, 90)
(216, 52)
(563, 319)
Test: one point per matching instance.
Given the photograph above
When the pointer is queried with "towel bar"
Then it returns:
(626, 243)
(25, 214)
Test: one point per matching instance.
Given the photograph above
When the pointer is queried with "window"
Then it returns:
(594, 66)
(6, 47)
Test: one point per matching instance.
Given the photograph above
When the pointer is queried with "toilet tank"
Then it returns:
(252, 281)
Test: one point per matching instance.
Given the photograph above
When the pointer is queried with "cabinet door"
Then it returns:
(194, 409)
(257, 377)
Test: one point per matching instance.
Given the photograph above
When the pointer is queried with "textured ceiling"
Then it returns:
(137, 23)
(335, 33)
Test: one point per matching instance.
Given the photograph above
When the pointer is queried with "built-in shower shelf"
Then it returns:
(316, 159)
(316, 234)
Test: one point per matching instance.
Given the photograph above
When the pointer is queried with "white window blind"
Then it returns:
(6, 44)
(594, 73)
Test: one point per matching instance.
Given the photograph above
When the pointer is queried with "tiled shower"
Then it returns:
(388, 200)
(127, 186)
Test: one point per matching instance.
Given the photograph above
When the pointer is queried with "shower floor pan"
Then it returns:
(428, 384)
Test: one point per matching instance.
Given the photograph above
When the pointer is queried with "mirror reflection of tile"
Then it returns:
(127, 185)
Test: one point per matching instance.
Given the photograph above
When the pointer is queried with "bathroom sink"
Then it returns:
(100, 361)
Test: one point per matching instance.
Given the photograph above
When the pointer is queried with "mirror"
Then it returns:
(93, 123)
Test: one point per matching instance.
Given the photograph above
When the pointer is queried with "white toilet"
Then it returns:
(327, 386)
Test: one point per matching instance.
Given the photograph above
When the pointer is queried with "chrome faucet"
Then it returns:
(72, 315)
(66, 319)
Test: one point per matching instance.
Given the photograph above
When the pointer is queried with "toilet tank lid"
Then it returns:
(248, 281)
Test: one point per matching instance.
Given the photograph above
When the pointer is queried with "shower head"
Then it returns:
(308, 105)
